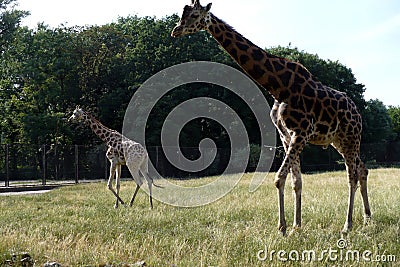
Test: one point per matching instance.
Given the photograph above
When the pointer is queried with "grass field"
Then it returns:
(78, 226)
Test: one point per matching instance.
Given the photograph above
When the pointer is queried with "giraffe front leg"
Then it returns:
(109, 183)
(118, 184)
(281, 175)
(291, 161)
(280, 185)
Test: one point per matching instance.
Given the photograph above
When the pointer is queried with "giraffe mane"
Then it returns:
(230, 28)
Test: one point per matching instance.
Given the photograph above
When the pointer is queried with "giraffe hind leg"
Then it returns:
(150, 195)
(145, 173)
(134, 195)
(363, 176)
(138, 181)
(356, 171)
(297, 189)
(348, 150)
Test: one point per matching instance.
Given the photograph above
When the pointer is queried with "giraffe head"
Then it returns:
(77, 114)
(194, 19)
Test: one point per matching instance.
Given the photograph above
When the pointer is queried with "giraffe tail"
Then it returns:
(156, 185)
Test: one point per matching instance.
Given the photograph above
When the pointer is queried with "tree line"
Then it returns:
(45, 72)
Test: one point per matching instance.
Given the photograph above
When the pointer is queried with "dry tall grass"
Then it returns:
(78, 226)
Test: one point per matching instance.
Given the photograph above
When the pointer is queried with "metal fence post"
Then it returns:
(76, 164)
(157, 158)
(44, 164)
(55, 163)
(7, 183)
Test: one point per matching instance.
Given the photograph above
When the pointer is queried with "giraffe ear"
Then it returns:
(208, 7)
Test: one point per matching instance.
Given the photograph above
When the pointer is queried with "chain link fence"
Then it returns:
(25, 164)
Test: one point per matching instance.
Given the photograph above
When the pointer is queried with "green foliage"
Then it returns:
(378, 122)
(394, 113)
(10, 19)
(10, 48)
(99, 67)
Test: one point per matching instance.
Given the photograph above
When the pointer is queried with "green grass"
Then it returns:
(78, 226)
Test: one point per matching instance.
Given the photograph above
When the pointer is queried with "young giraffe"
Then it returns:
(305, 110)
(121, 151)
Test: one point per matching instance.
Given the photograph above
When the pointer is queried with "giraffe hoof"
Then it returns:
(367, 220)
(282, 230)
(295, 229)
(346, 229)
(292, 232)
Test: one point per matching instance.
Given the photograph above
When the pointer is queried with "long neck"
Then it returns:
(275, 74)
(105, 134)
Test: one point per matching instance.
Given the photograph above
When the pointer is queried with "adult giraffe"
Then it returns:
(305, 110)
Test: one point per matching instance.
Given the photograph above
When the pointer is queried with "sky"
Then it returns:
(364, 35)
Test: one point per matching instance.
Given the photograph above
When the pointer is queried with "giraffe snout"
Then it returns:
(73, 117)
